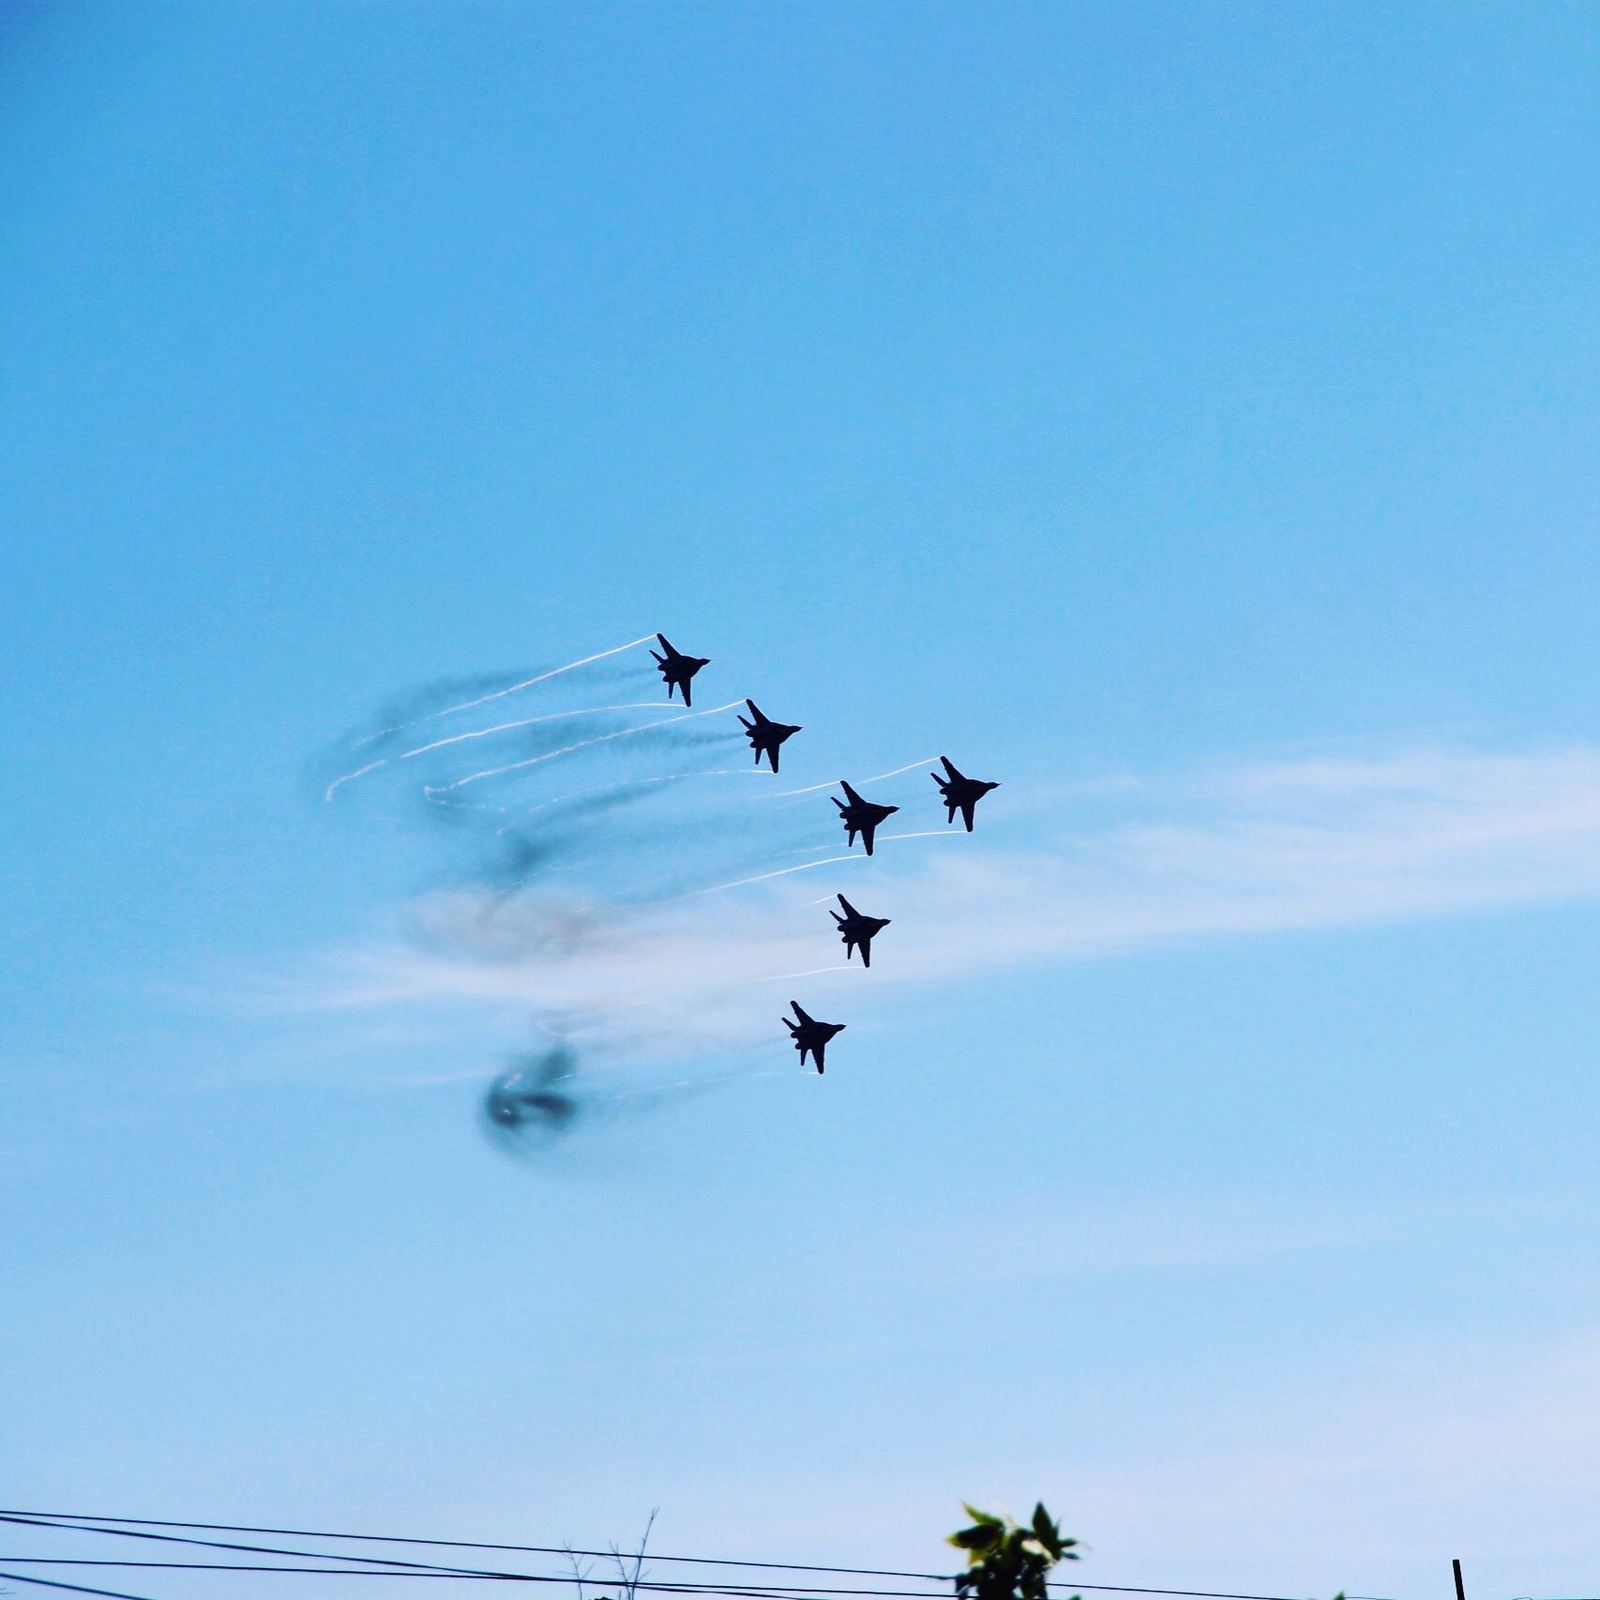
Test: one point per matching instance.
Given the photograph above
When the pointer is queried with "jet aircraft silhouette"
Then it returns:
(678, 668)
(856, 929)
(765, 735)
(960, 793)
(860, 816)
(809, 1035)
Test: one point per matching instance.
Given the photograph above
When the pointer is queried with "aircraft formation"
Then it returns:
(861, 819)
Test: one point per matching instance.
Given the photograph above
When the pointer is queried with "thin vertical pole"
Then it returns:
(1461, 1589)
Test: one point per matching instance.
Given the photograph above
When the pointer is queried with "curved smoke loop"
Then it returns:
(582, 822)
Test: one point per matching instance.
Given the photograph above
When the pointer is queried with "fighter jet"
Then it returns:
(678, 668)
(856, 929)
(960, 793)
(860, 816)
(809, 1035)
(765, 735)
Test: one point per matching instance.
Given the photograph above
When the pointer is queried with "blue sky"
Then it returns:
(1185, 414)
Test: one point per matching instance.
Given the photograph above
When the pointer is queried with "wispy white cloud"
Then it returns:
(1271, 847)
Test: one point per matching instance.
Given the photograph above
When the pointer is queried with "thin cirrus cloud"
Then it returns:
(1270, 847)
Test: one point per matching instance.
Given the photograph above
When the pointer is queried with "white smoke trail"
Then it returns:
(626, 785)
(763, 877)
(814, 972)
(813, 788)
(572, 749)
(543, 677)
(521, 722)
(350, 777)
(909, 766)
(483, 733)
(556, 879)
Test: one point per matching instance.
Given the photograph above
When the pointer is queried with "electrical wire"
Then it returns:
(76, 1588)
(526, 1549)
(391, 1562)
(58, 1518)
(380, 1569)
(398, 1566)
(136, 1527)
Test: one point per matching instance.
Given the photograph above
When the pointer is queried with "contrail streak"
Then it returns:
(482, 733)
(690, 1083)
(554, 672)
(621, 786)
(815, 972)
(521, 722)
(458, 805)
(930, 833)
(808, 849)
(582, 744)
(360, 772)
(898, 770)
(761, 877)
(812, 788)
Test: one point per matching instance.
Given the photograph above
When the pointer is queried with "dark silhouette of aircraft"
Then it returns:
(860, 816)
(765, 735)
(678, 668)
(856, 929)
(809, 1035)
(960, 793)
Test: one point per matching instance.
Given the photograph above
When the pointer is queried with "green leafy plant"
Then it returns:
(1006, 1561)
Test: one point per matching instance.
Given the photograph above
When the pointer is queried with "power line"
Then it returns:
(381, 1569)
(377, 1567)
(137, 1527)
(67, 1519)
(527, 1549)
(76, 1588)
(252, 1566)
(389, 1562)
(397, 1566)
